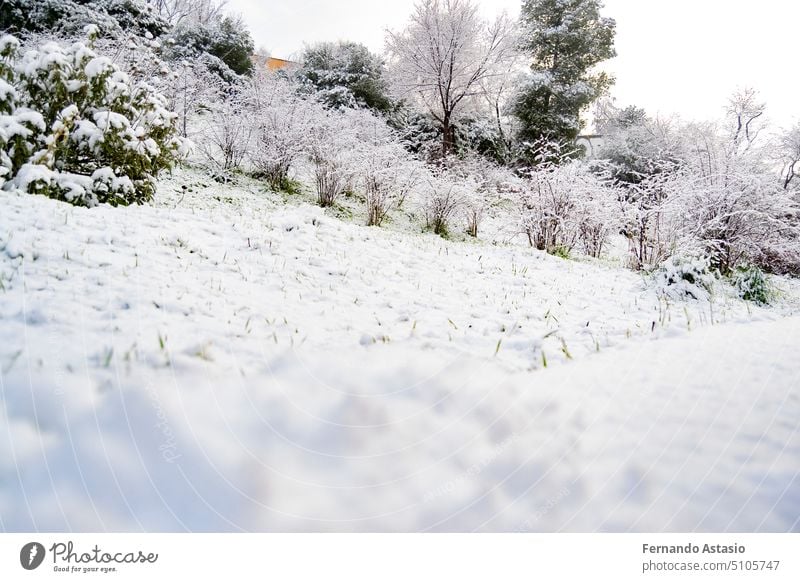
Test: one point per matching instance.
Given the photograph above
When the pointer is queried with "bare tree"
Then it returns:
(790, 154)
(444, 55)
(498, 90)
(192, 89)
(745, 110)
(199, 11)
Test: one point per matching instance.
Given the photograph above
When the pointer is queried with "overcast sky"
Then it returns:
(675, 56)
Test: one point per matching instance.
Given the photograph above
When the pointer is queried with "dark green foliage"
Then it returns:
(565, 40)
(346, 74)
(69, 17)
(422, 135)
(752, 284)
(78, 130)
(227, 40)
(419, 132)
(636, 148)
(560, 251)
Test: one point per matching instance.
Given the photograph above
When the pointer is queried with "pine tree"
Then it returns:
(565, 39)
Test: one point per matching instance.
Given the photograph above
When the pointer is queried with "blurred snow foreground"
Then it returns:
(229, 363)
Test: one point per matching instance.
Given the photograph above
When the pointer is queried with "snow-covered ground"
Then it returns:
(225, 361)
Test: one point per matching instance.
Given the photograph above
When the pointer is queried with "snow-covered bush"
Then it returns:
(563, 205)
(480, 182)
(546, 211)
(225, 137)
(388, 180)
(282, 124)
(329, 146)
(474, 206)
(192, 89)
(752, 284)
(680, 277)
(443, 195)
(68, 18)
(419, 133)
(385, 171)
(732, 203)
(734, 216)
(597, 216)
(651, 218)
(643, 159)
(636, 147)
(74, 127)
(702, 188)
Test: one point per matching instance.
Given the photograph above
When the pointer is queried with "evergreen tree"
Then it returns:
(228, 40)
(565, 40)
(346, 74)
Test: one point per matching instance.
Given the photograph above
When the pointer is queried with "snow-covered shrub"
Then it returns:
(330, 148)
(331, 178)
(651, 218)
(225, 137)
(69, 17)
(563, 205)
(384, 169)
(480, 182)
(74, 127)
(443, 196)
(282, 123)
(474, 207)
(546, 211)
(781, 254)
(419, 133)
(734, 216)
(192, 89)
(732, 203)
(643, 158)
(752, 284)
(597, 216)
(636, 147)
(387, 182)
(684, 276)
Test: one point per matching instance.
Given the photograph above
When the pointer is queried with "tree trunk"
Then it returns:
(448, 137)
(789, 175)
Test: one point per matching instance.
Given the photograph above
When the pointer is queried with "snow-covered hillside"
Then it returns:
(224, 361)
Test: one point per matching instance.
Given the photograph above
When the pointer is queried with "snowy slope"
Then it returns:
(221, 361)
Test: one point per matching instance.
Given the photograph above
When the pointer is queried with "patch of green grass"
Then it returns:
(203, 352)
(752, 285)
(561, 251)
(109, 355)
(291, 187)
(564, 349)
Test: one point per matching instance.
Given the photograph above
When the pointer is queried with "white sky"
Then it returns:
(675, 56)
